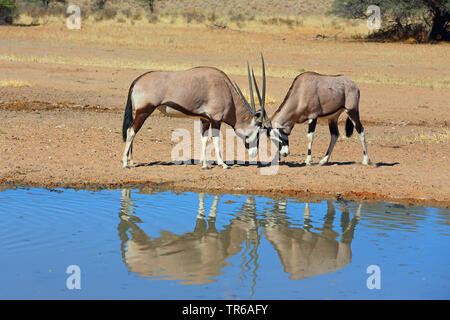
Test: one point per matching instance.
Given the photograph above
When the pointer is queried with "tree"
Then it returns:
(150, 4)
(402, 15)
(440, 15)
(44, 3)
(7, 11)
(100, 4)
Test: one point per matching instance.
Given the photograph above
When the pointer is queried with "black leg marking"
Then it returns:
(205, 127)
(312, 125)
(334, 130)
(354, 116)
(311, 128)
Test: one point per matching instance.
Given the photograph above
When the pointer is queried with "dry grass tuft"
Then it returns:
(14, 83)
(421, 137)
(269, 99)
(428, 138)
(237, 14)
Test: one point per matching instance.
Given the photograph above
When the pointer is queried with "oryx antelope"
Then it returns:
(203, 92)
(312, 96)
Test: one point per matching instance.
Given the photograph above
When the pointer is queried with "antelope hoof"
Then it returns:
(205, 167)
(324, 161)
(366, 161)
(226, 166)
(284, 151)
(308, 161)
(125, 164)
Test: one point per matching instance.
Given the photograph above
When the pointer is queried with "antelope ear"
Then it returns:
(258, 115)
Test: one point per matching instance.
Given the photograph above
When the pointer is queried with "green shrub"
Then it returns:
(8, 11)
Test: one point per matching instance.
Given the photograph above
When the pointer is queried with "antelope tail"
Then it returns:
(128, 116)
(349, 128)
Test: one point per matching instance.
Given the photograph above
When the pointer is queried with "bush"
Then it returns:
(402, 19)
(8, 11)
(417, 32)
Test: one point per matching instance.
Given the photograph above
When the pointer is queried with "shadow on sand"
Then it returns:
(260, 164)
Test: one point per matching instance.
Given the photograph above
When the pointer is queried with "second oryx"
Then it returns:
(203, 92)
(312, 96)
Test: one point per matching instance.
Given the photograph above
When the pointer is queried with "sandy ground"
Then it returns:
(65, 131)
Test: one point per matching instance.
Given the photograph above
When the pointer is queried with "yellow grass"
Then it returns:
(171, 43)
(133, 32)
(269, 99)
(367, 78)
(427, 138)
(241, 14)
(14, 83)
(421, 137)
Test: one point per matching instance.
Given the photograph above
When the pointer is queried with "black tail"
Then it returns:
(128, 116)
(349, 128)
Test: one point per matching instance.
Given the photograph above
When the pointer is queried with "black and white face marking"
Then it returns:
(252, 143)
(279, 137)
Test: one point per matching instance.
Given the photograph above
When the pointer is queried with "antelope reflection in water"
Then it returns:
(199, 256)
(304, 253)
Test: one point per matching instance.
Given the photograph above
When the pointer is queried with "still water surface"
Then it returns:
(135, 245)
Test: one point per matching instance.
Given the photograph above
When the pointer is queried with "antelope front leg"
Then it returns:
(204, 131)
(216, 142)
(203, 154)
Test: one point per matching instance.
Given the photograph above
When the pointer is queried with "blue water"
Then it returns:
(131, 244)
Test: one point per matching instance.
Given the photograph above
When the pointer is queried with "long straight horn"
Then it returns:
(263, 105)
(252, 100)
(262, 100)
(257, 89)
(264, 81)
(243, 98)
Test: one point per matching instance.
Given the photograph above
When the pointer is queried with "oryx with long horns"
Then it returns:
(312, 96)
(203, 92)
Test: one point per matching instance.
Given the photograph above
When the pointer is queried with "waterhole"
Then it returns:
(135, 244)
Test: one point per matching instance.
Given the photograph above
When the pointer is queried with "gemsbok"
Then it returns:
(203, 92)
(312, 96)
